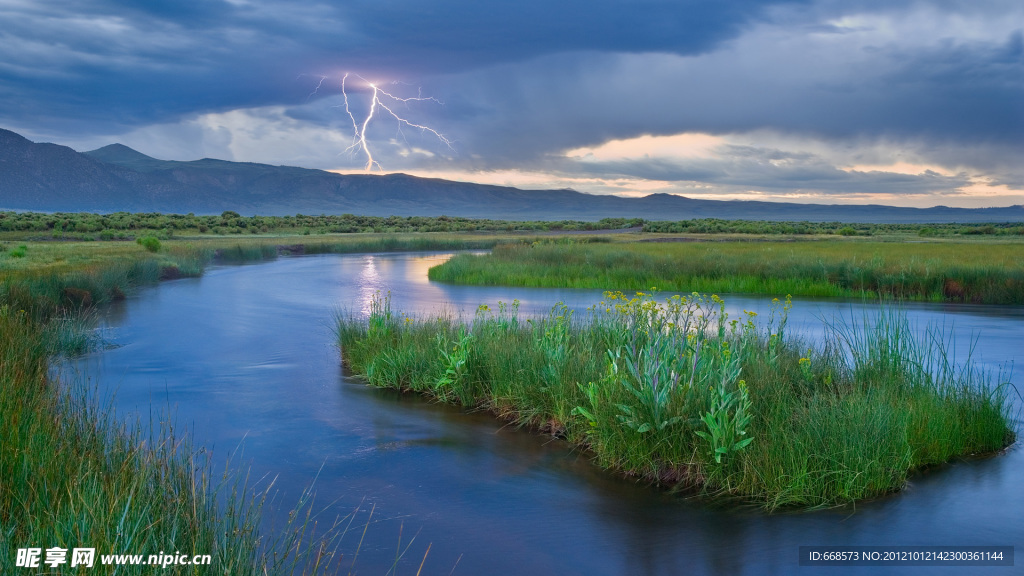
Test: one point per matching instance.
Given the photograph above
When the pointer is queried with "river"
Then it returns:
(245, 358)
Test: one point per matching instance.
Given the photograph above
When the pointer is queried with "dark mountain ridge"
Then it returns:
(54, 178)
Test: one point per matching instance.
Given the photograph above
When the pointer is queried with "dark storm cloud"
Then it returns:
(473, 33)
(135, 62)
(948, 97)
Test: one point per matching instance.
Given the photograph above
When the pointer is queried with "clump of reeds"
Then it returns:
(681, 394)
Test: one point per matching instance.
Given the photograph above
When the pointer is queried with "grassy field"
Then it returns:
(71, 475)
(988, 272)
(678, 393)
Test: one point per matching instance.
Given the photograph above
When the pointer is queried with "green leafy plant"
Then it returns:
(592, 392)
(651, 376)
(380, 321)
(729, 413)
(453, 361)
(805, 367)
(555, 342)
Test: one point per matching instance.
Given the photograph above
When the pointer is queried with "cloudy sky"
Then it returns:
(829, 101)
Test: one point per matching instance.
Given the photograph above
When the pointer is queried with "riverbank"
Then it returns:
(942, 271)
(680, 394)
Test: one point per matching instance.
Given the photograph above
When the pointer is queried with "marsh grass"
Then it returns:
(680, 394)
(73, 334)
(953, 272)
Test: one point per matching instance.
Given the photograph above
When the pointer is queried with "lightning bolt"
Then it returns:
(318, 85)
(317, 89)
(359, 141)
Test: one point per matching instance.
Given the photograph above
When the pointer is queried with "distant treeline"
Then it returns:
(716, 226)
(127, 226)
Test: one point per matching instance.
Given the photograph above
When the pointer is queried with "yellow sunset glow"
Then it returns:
(686, 145)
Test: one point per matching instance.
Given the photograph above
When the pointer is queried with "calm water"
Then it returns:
(245, 356)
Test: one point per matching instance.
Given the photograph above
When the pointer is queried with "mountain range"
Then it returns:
(53, 178)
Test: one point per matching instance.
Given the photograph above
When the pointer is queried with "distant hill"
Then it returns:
(121, 155)
(49, 177)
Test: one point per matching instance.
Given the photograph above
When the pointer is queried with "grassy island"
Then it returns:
(962, 271)
(678, 393)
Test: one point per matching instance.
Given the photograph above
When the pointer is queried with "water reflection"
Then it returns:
(369, 283)
(246, 355)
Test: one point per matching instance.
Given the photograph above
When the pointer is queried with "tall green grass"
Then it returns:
(679, 393)
(45, 295)
(931, 272)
